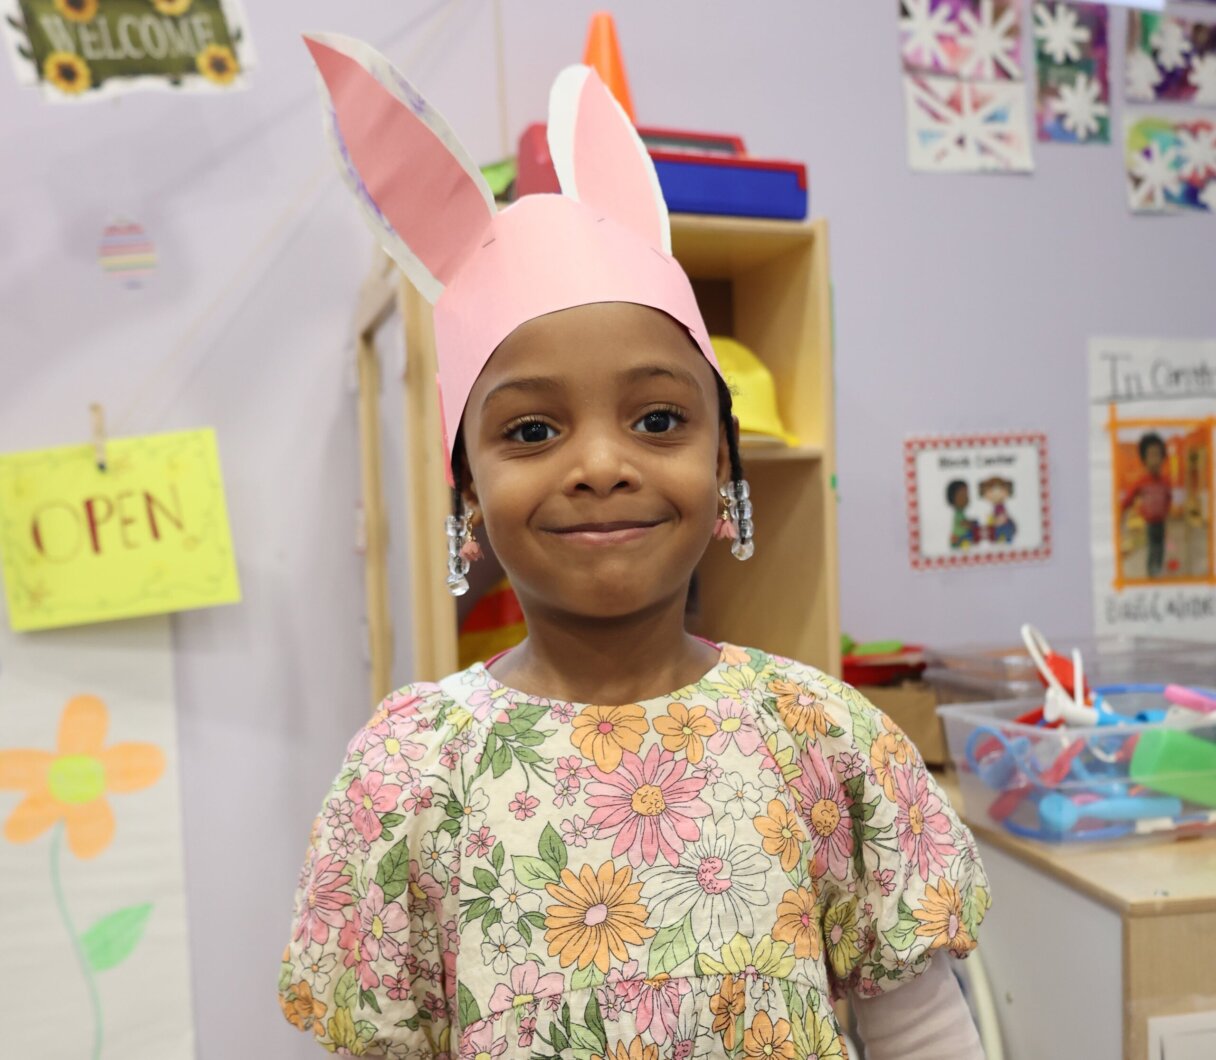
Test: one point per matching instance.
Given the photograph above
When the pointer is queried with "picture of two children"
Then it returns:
(998, 528)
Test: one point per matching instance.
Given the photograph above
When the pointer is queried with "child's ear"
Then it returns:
(724, 469)
(468, 491)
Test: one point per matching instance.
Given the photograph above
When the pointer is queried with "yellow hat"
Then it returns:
(752, 388)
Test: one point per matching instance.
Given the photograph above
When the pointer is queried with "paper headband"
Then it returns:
(606, 238)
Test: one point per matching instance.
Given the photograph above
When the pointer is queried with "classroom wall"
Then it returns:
(962, 303)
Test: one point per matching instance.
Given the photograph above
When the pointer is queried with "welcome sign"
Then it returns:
(93, 49)
(146, 535)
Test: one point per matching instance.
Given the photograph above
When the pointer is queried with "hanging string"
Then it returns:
(245, 278)
(500, 64)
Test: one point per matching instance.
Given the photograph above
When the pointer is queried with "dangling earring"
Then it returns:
(735, 522)
(463, 550)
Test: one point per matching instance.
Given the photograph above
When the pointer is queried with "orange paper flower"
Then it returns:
(72, 782)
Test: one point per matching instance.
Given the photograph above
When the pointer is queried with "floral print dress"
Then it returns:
(496, 875)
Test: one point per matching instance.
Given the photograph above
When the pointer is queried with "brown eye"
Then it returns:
(532, 432)
(660, 421)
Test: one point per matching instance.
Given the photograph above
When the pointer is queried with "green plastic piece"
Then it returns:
(1176, 763)
(500, 176)
(879, 647)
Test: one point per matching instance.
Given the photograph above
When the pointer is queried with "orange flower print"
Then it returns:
(302, 1009)
(603, 734)
(71, 783)
(798, 923)
(685, 730)
(727, 1006)
(801, 707)
(764, 1040)
(595, 916)
(783, 835)
(941, 919)
(890, 748)
(635, 1050)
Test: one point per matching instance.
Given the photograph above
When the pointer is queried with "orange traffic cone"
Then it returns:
(603, 53)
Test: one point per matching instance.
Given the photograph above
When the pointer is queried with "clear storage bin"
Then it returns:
(1072, 784)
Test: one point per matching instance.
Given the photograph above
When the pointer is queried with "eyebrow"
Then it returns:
(650, 371)
(543, 383)
(527, 384)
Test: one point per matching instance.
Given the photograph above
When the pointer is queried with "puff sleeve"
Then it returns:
(897, 873)
(370, 965)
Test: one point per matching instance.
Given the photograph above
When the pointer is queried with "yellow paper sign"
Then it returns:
(147, 535)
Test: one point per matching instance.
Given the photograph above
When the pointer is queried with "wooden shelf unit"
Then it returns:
(767, 284)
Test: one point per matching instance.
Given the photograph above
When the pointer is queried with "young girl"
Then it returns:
(616, 840)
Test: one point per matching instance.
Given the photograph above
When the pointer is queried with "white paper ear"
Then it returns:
(420, 191)
(600, 159)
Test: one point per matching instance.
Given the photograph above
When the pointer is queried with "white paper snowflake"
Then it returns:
(990, 44)
(1203, 78)
(1080, 107)
(1208, 195)
(963, 126)
(1171, 44)
(1143, 77)
(1197, 151)
(1059, 33)
(923, 27)
(1157, 172)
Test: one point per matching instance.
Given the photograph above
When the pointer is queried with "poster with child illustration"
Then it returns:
(1153, 416)
(977, 499)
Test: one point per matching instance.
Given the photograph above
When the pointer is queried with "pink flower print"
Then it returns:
(389, 752)
(649, 805)
(523, 805)
(381, 923)
(527, 985)
(571, 768)
(563, 712)
(423, 888)
(885, 878)
(323, 900)
(371, 796)
(449, 757)
(621, 990)
(825, 809)
(337, 811)
(480, 843)
(659, 1005)
(850, 764)
(576, 832)
(527, 1031)
(480, 1044)
(709, 770)
(436, 1006)
(398, 987)
(563, 794)
(419, 799)
(735, 725)
(921, 825)
(344, 841)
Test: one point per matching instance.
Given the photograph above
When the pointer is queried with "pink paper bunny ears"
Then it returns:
(606, 238)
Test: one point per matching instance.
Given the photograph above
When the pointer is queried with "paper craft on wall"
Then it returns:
(977, 499)
(92, 893)
(1171, 165)
(965, 104)
(1152, 428)
(147, 535)
(126, 254)
(1072, 61)
(96, 49)
(1171, 59)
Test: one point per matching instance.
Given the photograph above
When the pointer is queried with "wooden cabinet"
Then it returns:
(766, 283)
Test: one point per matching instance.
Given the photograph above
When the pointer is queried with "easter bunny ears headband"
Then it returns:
(606, 238)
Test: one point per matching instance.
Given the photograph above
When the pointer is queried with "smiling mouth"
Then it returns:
(613, 533)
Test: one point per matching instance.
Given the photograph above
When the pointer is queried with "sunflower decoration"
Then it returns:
(172, 7)
(217, 63)
(67, 72)
(77, 10)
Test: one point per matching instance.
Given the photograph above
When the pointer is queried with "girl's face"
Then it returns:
(595, 451)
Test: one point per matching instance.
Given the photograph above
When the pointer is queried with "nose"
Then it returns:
(601, 465)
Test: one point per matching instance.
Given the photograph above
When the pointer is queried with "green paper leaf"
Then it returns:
(552, 849)
(671, 947)
(110, 941)
(346, 993)
(393, 872)
(466, 1006)
(533, 872)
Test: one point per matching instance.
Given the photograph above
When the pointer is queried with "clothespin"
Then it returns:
(98, 416)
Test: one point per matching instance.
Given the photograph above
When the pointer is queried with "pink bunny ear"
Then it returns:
(421, 192)
(600, 159)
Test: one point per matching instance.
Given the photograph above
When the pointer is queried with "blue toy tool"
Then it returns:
(1059, 815)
